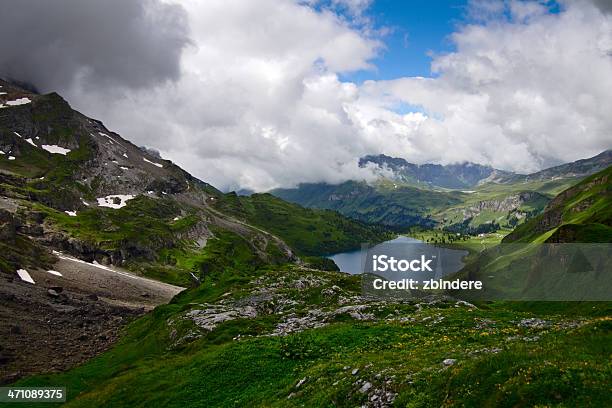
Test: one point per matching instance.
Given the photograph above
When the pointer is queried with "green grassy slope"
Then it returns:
(308, 231)
(396, 353)
(390, 204)
(582, 213)
(386, 351)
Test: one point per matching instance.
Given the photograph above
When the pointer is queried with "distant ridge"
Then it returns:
(468, 174)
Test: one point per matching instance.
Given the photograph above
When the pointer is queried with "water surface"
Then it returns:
(352, 261)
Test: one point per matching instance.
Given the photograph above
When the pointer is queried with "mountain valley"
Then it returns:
(136, 284)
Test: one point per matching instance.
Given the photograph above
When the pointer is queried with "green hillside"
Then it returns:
(308, 231)
(386, 203)
(582, 213)
(438, 353)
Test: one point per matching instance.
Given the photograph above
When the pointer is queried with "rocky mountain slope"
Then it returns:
(577, 169)
(453, 176)
(70, 187)
(67, 181)
(466, 175)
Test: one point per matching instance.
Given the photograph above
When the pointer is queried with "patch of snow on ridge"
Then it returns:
(71, 213)
(56, 273)
(11, 157)
(20, 101)
(107, 136)
(1, 152)
(25, 276)
(30, 141)
(149, 161)
(55, 149)
(17, 134)
(114, 201)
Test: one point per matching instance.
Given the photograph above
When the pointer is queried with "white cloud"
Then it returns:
(521, 92)
(259, 104)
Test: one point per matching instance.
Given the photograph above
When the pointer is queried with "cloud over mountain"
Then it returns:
(250, 95)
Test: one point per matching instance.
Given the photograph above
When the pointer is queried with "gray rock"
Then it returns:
(365, 387)
(534, 323)
(52, 293)
(449, 362)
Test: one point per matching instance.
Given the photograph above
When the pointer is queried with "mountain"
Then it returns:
(96, 231)
(577, 169)
(102, 198)
(466, 197)
(313, 232)
(466, 175)
(252, 325)
(453, 176)
(582, 213)
(390, 204)
(529, 264)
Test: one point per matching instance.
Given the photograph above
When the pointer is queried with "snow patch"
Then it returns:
(1, 152)
(149, 161)
(25, 276)
(111, 200)
(30, 141)
(55, 149)
(124, 168)
(109, 138)
(125, 155)
(71, 213)
(176, 218)
(17, 134)
(96, 265)
(16, 102)
(85, 203)
(11, 157)
(56, 273)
